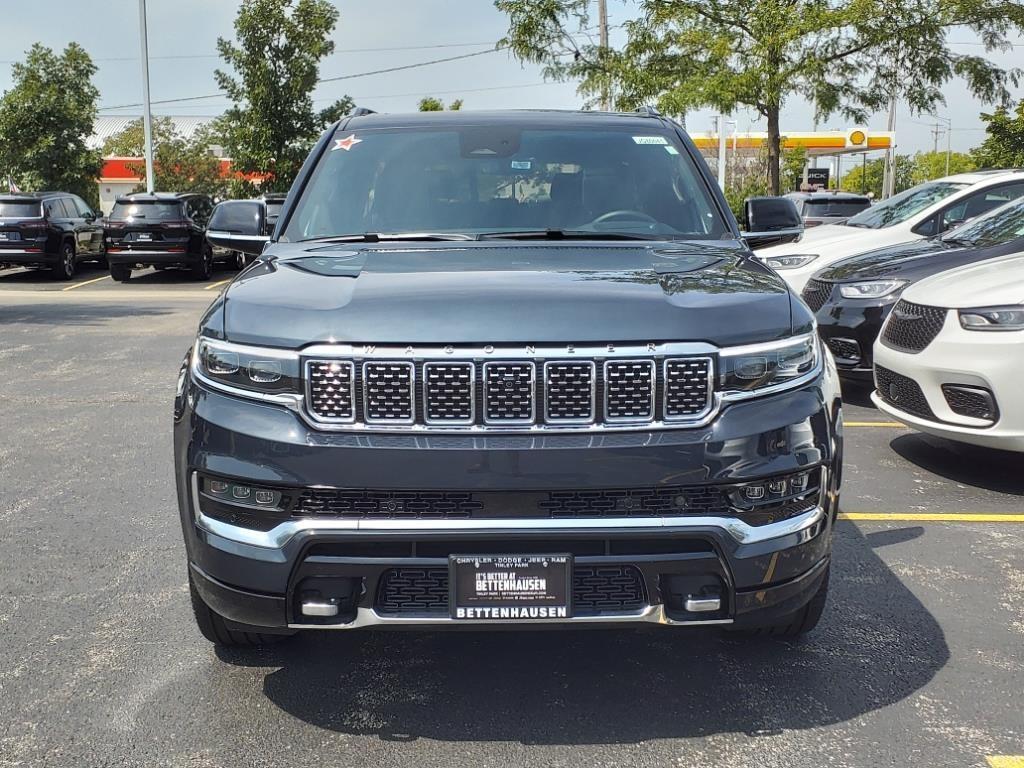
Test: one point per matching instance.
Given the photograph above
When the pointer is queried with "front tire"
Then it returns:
(121, 272)
(65, 268)
(215, 628)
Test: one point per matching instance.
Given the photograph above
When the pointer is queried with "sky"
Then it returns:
(379, 34)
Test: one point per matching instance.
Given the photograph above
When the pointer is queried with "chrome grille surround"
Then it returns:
(449, 392)
(630, 391)
(510, 393)
(331, 384)
(570, 391)
(389, 392)
(689, 388)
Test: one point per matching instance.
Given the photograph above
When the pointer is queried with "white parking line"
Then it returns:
(86, 282)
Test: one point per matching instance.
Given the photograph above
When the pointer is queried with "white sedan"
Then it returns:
(922, 211)
(950, 358)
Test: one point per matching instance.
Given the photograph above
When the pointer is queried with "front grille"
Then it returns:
(687, 387)
(619, 391)
(912, 327)
(902, 392)
(569, 389)
(975, 402)
(844, 349)
(388, 392)
(596, 589)
(636, 502)
(392, 505)
(448, 393)
(816, 293)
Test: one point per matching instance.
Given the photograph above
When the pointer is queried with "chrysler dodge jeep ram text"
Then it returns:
(504, 368)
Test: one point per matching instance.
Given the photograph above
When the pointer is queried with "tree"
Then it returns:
(432, 104)
(179, 164)
(866, 178)
(276, 64)
(932, 165)
(1003, 146)
(45, 120)
(844, 56)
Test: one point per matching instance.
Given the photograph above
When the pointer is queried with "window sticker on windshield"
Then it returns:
(671, 150)
(521, 165)
(659, 140)
(347, 143)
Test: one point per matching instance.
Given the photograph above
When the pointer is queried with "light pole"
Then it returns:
(147, 120)
(949, 136)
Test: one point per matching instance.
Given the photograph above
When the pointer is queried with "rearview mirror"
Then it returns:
(771, 221)
(238, 225)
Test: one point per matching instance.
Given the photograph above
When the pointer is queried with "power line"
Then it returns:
(321, 81)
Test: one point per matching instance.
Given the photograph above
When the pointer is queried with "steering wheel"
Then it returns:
(624, 213)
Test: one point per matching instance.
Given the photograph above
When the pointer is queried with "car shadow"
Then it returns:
(970, 465)
(876, 645)
(858, 393)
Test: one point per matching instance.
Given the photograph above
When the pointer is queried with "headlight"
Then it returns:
(258, 369)
(790, 262)
(767, 365)
(871, 289)
(993, 318)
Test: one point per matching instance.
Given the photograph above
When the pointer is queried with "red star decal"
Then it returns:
(347, 143)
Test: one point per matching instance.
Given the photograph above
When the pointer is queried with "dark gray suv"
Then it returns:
(504, 368)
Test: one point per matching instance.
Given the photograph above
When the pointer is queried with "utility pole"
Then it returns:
(936, 134)
(889, 176)
(602, 22)
(949, 139)
(147, 120)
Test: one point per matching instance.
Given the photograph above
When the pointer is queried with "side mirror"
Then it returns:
(239, 225)
(771, 221)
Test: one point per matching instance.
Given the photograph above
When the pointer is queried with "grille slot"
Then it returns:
(912, 327)
(629, 390)
(388, 392)
(636, 502)
(844, 349)
(816, 293)
(975, 402)
(509, 393)
(570, 391)
(389, 505)
(332, 390)
(687, 387)
(449, 393)
(596, 589)
(902, 392)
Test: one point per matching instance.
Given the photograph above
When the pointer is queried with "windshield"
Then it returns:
(503, 179)
(19, 209)
(147, 210)
(997, 226)
(834, 207)
(901, 207)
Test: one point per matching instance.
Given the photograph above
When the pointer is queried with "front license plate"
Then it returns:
(144, 236)
(510, 587)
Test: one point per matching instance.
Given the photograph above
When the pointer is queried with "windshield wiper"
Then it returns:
(387, 237)
(566, 234)
(959, 241)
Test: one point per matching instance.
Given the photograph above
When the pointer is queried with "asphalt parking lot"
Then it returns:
(918, 662)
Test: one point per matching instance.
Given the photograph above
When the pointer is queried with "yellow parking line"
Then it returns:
(85, 282)
(873, 424)
(1005, 761)
(935, 517)
(211, 286)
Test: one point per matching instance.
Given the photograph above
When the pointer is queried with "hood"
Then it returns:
(884, 262)
(491, 292)
(988, 284)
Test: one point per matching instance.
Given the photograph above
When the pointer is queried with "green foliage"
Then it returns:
(866, 178)
(793, 162)
(735, 195)
(1003, 146)
(932, 165)
(179, 164)
(276, 65)
(845, 56)
(432, 104)
(45, 120)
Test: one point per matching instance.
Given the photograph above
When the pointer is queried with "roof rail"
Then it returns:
(360, 111)
(648, 111)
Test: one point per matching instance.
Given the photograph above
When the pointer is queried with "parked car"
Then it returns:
(55, 230)
(853, 297)
(159, 230)
(817, 208)
(275, 203)
(504, 368)
(949, 359)
(923, 211)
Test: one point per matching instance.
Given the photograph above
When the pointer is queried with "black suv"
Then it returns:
(159, 230)
(504, 368)
(49, 229)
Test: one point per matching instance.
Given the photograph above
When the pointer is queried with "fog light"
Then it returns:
(241, 491)
(218, 486)
(777, 487)
(264, 497)
(799, 482)
(754, 492)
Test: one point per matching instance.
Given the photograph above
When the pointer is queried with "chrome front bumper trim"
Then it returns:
(280, 535)
(368, 617)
